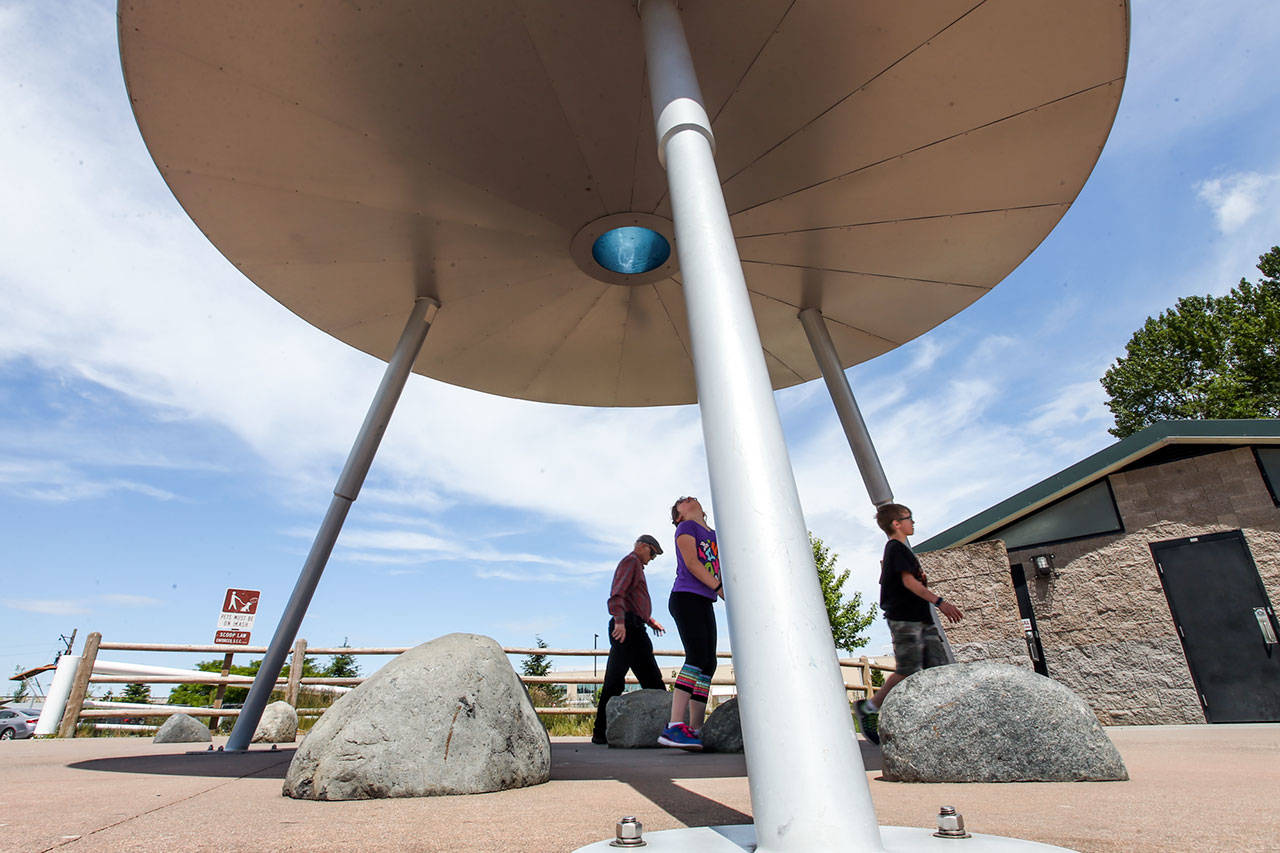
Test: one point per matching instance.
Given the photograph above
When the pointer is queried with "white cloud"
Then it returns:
(589, 576)
(927, 353)
(47, 606)
(125, 600)
(1072, 405)
(1246, 210)
(47, 480)
(405, 547)
(1236, 199)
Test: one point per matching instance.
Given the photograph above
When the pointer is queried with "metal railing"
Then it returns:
(81, 707)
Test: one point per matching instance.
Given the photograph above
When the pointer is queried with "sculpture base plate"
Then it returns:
(742, 837)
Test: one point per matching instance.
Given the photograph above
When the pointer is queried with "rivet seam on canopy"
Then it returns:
(916, 150)
(773, 31)
(261, 185)
(582, 155)
(770, 354)
(551, 356)
(848, 95)
(674, 326)
(902, 219)
(798, 308)
(622, 343)
(868, 274)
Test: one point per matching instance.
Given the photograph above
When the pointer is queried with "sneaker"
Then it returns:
(868, 721)
(599, 739)
(680, 736)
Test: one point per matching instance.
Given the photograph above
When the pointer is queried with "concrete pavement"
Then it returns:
(1191, 787)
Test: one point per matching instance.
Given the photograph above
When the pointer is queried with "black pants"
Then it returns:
(695, 619)
(635, 653)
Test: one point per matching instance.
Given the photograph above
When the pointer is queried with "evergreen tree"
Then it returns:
(19, 692)
(542, 695)
(343, 665)
(136, 691)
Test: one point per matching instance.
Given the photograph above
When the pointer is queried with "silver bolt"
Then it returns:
(629, 833)
(950, 824)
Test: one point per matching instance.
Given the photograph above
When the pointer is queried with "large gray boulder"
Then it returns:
(180, 728)
(991, 722)
(279, 724)
(722, 732)
(447, 717)
(634, 720)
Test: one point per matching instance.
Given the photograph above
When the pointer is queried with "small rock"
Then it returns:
(279, 724)
(635, 719)
(180, 728)
(722, 732)
(991, 722)
(447, 717)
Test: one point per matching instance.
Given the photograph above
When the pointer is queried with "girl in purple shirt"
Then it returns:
(692, 598)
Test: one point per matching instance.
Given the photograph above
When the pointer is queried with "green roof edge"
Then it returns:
(1094, 467)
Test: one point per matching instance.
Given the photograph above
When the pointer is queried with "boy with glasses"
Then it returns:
(905, 599)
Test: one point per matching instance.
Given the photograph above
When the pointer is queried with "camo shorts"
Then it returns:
(916, 646)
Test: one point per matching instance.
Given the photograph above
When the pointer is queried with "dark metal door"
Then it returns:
(1226, 623)
(1030, 631)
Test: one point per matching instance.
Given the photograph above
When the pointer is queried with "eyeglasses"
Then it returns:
(685, 498)
(906, 518)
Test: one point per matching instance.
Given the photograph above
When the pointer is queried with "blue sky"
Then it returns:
(167, 430)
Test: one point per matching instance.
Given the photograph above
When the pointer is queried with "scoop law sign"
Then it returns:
(239, 608)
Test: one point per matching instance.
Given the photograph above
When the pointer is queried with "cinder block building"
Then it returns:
(1141, 577)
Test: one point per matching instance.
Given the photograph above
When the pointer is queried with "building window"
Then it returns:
(1089, 512)
(1269, 461)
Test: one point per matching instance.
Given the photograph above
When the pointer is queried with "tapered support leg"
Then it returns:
(855, 428)
(344, 494)
(808, 788)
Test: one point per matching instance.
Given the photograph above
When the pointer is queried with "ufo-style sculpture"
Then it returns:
(886, 163)
(622, 204)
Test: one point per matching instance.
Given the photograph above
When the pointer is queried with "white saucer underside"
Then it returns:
(885, 162)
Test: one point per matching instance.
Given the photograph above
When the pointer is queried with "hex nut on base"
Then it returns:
(630, 833)
(950, 824)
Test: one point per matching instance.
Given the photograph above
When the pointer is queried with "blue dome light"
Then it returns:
(631, 250)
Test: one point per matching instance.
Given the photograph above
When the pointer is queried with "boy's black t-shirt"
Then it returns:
(899, 603)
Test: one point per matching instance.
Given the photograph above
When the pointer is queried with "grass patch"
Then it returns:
(558, 725)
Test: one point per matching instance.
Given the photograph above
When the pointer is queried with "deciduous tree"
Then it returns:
(847, 617)
(1206, 357)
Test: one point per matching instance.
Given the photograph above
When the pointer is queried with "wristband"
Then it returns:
(939, 601)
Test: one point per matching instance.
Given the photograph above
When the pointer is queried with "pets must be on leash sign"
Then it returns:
(238, 611)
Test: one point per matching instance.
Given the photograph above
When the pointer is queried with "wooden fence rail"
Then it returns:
(80, 706)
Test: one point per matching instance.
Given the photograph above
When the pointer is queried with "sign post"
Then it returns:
(239, 609)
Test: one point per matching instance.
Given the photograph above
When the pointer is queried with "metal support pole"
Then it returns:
(855, 428)
(807, 793)
(344, 494)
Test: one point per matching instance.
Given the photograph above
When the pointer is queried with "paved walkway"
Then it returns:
(1192, 788)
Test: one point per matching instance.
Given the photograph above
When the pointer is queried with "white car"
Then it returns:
(17, 722)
